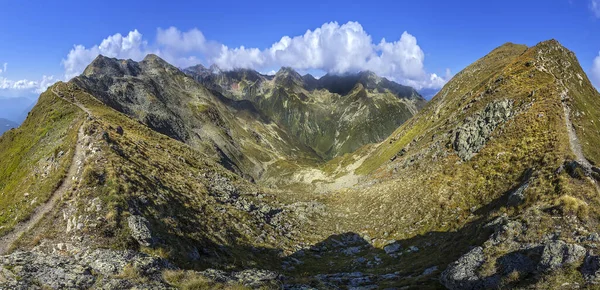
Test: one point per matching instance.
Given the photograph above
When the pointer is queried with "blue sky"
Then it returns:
(441, 37)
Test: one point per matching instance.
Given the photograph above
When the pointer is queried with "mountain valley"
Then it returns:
(142, 175)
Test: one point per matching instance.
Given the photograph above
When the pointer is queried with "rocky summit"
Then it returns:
(139, 175)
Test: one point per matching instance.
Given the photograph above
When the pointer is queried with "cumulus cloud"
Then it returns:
(4, 68)
(130, 46)
(332, 48)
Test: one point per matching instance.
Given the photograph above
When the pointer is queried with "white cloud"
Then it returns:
(596, 71)
(11, 86)
(595, 7)
(33, 86)
(126, 47)
(331, 48)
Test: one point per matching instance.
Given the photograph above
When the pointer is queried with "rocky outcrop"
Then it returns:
(476, 130)
(71, 267)
(557, 254)
(463, 273)
(252, 278)
(140, 230)
(521, 258)
(517, 196)
(107, 269)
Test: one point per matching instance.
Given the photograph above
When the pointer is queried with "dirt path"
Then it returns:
(573, 140)
(73, 175)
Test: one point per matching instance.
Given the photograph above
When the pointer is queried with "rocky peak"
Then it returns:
(152, 57)
(287, 76)
(215, 69)
(152, 61)
(105, 66)
(369, 79)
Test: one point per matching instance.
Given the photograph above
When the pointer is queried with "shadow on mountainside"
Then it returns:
(349, 260)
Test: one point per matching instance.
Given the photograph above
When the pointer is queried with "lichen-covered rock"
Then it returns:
(558, 253)
(477, 129)
(23, 269)
(140, 230)
(463, 273)
(99, 268)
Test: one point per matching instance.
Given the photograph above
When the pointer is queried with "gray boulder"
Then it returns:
(462, 274)
(557, 254)
(392, 248)
(140, 230)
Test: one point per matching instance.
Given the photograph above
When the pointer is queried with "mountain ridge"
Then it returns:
(287, 96)
(492, 184)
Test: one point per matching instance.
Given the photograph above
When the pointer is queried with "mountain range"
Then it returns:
(142, 175)
(6, 125)
(15, 109)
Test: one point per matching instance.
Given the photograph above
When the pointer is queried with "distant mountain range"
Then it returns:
(6, 125)
(333, 115)
(15, 109)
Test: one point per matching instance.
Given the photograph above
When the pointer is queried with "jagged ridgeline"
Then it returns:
(136, 174)
(279, 118)
(332, 115)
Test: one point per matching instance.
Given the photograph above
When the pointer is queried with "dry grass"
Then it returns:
(188, 280)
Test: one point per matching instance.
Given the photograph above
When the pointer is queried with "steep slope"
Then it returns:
(162, 97)
(131, 199)
(332, 115)
(35, 158)
(491, 162)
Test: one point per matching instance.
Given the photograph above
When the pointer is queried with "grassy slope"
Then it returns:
(465, 84)
(30, 168)
(441, 201)
(166, 181)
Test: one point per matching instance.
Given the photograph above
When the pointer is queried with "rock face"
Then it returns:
(140, 230)
(517, 196)
(476, 130)
(162, 97)
(250, 278)
(392, 248)
(591, 269)
(108, 269)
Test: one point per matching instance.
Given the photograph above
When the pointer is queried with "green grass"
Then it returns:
(144, 172)
(30, 169)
